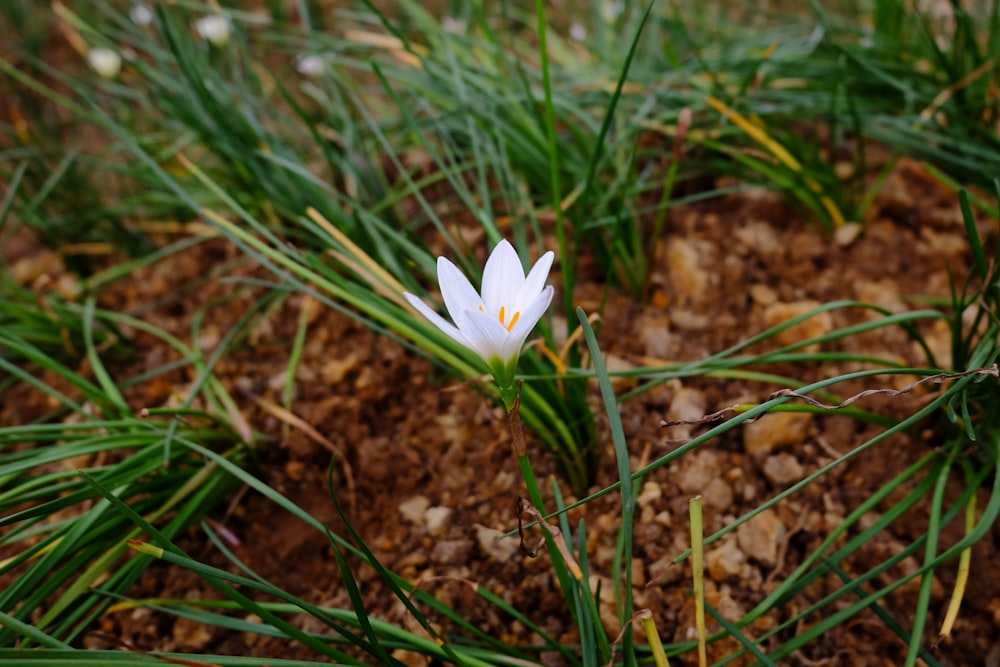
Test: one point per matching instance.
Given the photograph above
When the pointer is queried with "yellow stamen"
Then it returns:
(500, 316)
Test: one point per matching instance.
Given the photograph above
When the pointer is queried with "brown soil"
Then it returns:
(417, 441)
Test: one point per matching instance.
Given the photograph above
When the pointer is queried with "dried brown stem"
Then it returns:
(992, 371)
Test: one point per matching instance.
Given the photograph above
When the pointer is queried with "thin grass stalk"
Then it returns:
(698, 576)
(733, 630)
(624, 474)
(30, 632)
(930, 551)
(890, 622)
(653, 639)
(962, 575)
(567, 258)
(981, 528)
(757, 411)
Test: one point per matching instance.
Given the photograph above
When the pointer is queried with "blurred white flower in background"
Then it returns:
(454, 25)
(213, 28)
(611, 10)
(310, 65)
(141, 14)
(578, 32)
(105, 62)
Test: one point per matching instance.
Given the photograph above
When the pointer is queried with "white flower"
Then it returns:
(454, 25)
(105, 62)
(310, 65)
(611, 10)
(578, 32)
(213, 28)
(141, 14)
(496, 324)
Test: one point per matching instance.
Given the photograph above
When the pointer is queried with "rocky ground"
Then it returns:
(435, 482)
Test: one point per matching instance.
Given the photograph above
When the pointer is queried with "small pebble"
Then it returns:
(775, 430)
(761, 537)
(491, 544)
(414, 509)
(437, 518)
(782, 469)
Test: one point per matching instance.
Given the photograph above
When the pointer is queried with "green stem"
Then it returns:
(565, 260)
(534, 493)
(521, 450)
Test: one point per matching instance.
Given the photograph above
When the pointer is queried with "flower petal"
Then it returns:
(529, 318)
(438, 321)
(535, 281)
(503, 277)
(484, 332)
(456, 290)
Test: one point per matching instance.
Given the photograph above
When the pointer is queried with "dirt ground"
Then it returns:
(436, 480)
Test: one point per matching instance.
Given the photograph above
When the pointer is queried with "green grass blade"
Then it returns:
(624, 474)
(975, 244)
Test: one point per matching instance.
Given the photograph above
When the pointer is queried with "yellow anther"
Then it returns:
(500, 316)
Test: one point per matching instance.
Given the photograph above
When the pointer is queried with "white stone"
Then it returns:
(687, 276)
(718, 495)
(775, 430)
(650, 492)
(846, 234)
(685, 405)
(664, 571)
(436, 518)
(699, 469)
(761, 537)
(726, 560)
(414, 509)
(783, 469)
(815, 326)
(496, 548)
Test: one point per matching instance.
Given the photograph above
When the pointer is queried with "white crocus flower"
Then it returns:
(495, 324)
(213, 28)
(105, 62)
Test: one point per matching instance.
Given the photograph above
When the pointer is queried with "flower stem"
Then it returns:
(521, 451)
